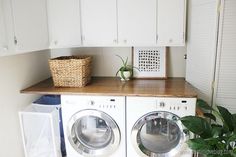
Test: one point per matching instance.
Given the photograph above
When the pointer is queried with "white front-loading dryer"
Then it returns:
(94, 126)
(154, 128)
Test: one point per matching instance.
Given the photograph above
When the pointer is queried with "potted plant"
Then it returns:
(125, 71)
(215, 131)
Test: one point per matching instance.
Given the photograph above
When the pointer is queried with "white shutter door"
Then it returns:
(201, 45)
(226, 63)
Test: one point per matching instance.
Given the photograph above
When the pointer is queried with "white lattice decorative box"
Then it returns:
(151, 62)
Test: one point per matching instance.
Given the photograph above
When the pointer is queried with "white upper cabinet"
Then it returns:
(30, 23)
(99, 22)
(137, 22)
(3, 37)
(171, 22)
(64, 23)
(6, 28)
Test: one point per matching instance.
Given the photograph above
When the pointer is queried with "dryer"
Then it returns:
(94, 126)
(154, 128)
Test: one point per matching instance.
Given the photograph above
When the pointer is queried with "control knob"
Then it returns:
(162, 104)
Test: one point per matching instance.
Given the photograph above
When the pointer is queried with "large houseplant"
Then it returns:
(215, 131)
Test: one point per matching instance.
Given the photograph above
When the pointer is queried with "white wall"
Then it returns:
(105, 63)
(17, 72)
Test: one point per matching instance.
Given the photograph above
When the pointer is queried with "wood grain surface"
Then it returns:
(173, 87)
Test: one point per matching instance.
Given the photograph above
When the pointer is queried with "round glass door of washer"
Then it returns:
(158, 134)
(93, 133)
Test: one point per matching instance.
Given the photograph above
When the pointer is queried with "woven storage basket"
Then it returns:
(71, 71)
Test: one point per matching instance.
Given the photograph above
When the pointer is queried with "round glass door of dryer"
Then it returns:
(158, 134)
(93, 133)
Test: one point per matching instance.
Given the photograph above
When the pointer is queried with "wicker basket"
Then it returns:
(71, 71)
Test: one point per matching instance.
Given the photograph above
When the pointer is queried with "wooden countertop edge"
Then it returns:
(104, 94)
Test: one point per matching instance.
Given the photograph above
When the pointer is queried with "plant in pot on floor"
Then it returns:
(215, 131)
(126, 70)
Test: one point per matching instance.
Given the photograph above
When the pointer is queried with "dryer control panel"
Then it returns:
(177, 105)
(182, 106)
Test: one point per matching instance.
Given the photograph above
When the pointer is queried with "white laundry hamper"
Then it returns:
(40, 131)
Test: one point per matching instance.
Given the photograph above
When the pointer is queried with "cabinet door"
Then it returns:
(137, 22)
(171, 22)
(3, 40)
(99, 22)
(31, 27)
(6, 28)
(64, 23)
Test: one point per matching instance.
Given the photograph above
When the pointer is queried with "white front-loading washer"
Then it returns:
(94, 126)
(154, 128)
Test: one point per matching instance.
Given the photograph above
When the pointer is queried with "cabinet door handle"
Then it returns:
(82, 38)
(55, 42)
(114, 41)
(15, 40)
(125, 41)
(157, 38)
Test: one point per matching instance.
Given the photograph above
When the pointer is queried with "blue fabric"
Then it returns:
(49, 100)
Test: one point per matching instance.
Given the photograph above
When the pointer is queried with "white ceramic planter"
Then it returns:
(127, 75)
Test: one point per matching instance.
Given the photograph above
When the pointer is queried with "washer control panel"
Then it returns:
(104, 105)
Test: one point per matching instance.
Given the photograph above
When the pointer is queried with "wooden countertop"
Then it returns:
(174, 87)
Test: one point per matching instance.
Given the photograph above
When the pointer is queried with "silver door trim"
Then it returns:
(159, 114)
(83, 149)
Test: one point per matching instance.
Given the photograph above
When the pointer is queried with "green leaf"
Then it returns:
(122, 73)
(231, 138)
(210, 115)
(234, 151)
(217, 130)
(216, 143)
(133, 67)
(234, 122)
(199, 145)
(117, 72)
(197, 125)
(203, 105)
(121, 59)
(126, 61)
(227, 117)
(234, 115)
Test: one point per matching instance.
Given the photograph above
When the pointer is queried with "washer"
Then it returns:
(154, 128)
(94, 126)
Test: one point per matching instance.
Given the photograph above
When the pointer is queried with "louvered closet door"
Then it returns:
(201, 45)
(226, 62)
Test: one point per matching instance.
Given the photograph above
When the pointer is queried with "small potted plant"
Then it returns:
(215, 131)
(125, 71)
